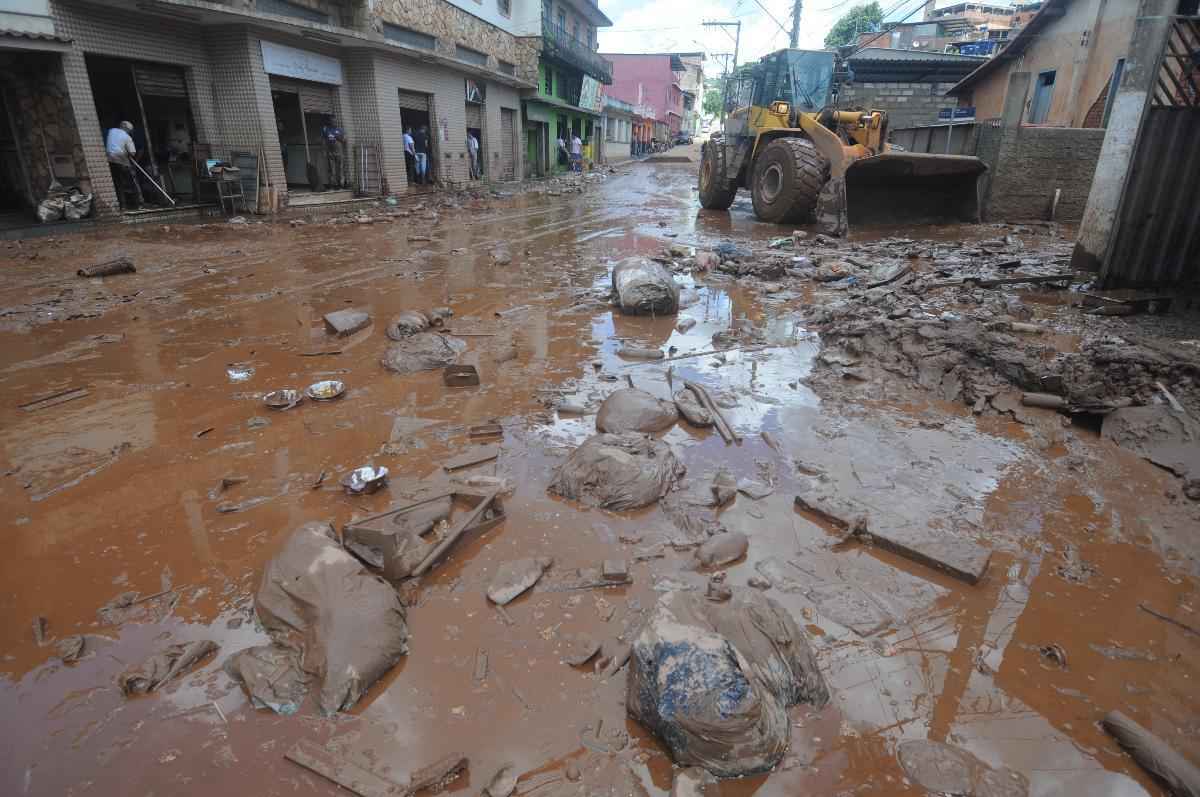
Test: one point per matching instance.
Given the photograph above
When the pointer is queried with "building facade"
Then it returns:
(256, 83)
(617, 121)
(910, 85)
(651, 83)
(570, 78)
(1076, 49)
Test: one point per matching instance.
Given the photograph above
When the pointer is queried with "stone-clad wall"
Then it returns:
(907, 104)
(451, 26)
(41, 112)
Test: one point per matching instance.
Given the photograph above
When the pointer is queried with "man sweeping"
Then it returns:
(119, 147)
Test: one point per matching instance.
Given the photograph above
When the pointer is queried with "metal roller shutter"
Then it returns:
(508, 144)
(475, 116)
(160, 81)
(414, 101)
(314, 97)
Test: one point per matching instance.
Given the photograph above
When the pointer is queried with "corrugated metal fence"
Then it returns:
(1157, 238)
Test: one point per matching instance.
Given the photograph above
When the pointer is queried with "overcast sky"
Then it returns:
(675, 25)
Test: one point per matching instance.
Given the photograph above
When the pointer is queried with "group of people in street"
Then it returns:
(416, 156)
(571, 158)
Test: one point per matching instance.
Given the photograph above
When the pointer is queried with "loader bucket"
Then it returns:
(913, 188)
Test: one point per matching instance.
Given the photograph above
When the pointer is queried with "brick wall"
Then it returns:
(907, 104)
(1028, 164)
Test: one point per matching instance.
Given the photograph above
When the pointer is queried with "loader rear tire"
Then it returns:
(787, 179)
(716, 190)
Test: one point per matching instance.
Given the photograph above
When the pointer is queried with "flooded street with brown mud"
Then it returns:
(990, 585)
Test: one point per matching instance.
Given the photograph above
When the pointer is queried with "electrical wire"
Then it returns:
(883, 33)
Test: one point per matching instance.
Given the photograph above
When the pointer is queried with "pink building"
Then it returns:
(650, 81)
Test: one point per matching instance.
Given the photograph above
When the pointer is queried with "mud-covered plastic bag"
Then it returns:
(77, 206)
(714, 680)
(644, 287)
(618, 471)
(51, 209)
(633, 410)
(348, 624)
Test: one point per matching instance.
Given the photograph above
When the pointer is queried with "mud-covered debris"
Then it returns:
(614, 654)
(717, 589)
(70, 649)
(1165, 436)
(759, 582)
(1054, 652)
(943, 550)
(618, 472)
(579, 649)
(754, 489)
(1047, 401)
(501, 256)
(347, 322)
(409, 322)
(474, 456)
(365, 480)
(503, 783)
(1122, 654)
(886, 273)
(692, 782)
(165, 665)
(724, 487)
(1180, 775)
(122, 265)
(640, 353)
(945, 769)
(685, 325)
(842, 513)
(40, 626)
(706, 261)
(615, 571)
(714, 680)
(350, 626)
(271, 675)
(460, 376)
(644, 287)
(423, 351)
(723, 549)
(691, 409)
(633, 410)
(513, 578)
(346, 774)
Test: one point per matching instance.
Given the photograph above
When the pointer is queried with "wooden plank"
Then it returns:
(56, 398)
(345, 774)
(473, 457)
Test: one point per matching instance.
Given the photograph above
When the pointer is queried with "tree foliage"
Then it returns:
(713, 88)
(864, 18)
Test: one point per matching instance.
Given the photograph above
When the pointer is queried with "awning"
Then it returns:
(538, 112)
(25, 40)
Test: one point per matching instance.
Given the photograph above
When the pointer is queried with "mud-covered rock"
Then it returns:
(714, 680)
(633, 410)
(424, 351)
(723, 549)
(409, 322)
(691, 409)
(618, 471)
(644, 287)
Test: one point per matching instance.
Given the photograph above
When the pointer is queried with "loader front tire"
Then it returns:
(716, 190)
(787, 179)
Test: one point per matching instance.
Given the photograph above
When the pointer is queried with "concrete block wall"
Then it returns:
(1028, 164)
(907, 104)
(105, 31)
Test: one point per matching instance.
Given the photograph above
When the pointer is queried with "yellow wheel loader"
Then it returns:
(801, 158)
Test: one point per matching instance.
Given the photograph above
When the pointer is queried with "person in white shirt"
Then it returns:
(563, 155)
(473, 152)
(410, 156)
(576, 153)
(119, 147)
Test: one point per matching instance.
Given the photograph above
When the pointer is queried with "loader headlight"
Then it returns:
(780, 108)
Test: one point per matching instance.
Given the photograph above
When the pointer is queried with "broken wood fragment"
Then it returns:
(349, 776)
(122, 265)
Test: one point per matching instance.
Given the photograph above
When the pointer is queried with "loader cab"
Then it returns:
(769, 94)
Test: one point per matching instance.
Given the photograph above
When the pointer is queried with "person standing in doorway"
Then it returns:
(576, 153)
(563, 155)
(335, 139)
(473, 154)
(421, 145)
(410, 156)
(119, 147)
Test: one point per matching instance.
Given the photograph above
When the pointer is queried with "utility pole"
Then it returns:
(797, 7)
(737, 39)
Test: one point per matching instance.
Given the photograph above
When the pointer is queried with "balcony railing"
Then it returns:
(556, 42)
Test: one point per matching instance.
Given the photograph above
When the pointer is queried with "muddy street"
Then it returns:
(164, 474)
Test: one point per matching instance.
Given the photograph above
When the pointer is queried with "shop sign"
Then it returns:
(279, 59)
(590, 96)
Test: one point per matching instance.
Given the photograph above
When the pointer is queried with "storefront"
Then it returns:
(312, 138)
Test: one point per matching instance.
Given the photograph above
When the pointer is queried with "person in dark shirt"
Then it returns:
(334, 138)
(421, 144)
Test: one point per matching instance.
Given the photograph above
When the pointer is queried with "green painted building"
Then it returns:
(571, 77)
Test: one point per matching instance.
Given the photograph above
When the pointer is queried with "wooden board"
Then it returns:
(349, 776)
